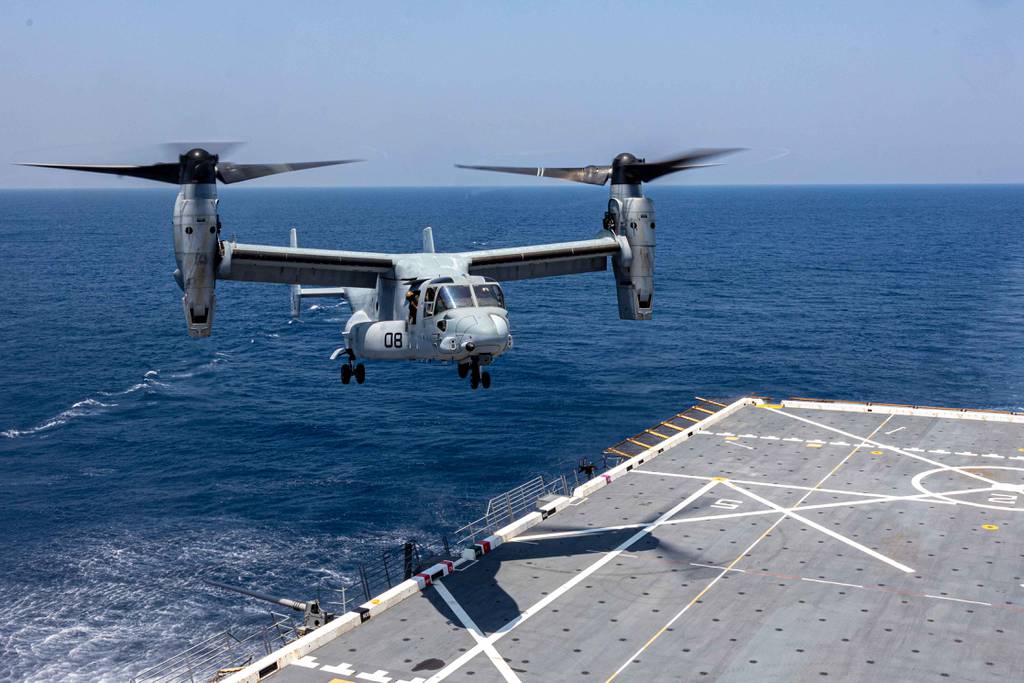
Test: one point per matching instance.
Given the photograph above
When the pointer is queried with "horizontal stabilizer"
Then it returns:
(322, 292)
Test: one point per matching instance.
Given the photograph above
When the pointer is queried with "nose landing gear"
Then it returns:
(476, 377)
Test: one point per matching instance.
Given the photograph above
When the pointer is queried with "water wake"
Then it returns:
(104, 401)
(85, 408)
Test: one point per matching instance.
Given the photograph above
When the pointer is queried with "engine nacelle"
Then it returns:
(388, 339)
(196, 235)
(632, 217)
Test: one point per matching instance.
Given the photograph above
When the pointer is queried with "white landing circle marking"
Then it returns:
(918, 478)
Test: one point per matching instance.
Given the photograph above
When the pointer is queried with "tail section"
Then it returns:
(298, 292)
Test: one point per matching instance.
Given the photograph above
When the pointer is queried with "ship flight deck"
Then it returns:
(800, 541)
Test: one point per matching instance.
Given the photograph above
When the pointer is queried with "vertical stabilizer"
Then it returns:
(428, 240)
(295, 290)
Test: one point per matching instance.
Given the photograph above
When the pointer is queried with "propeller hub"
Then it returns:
(198, 167)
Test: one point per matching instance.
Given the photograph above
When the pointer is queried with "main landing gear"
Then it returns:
(476, 377)
(352, 369)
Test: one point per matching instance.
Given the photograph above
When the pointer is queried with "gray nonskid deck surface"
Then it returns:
(873, 577)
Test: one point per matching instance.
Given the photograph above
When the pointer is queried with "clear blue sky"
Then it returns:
(856, 91)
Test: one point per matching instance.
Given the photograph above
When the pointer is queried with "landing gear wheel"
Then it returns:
(360, 373)
(463, 370)
(474, 382)
(346, 373)
(485, 379)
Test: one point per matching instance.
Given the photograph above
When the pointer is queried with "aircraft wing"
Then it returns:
(299, 266)
(543, 260)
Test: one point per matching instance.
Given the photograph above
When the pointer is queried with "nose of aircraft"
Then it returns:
(488, 333)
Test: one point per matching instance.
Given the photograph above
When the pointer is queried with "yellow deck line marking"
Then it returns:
(739, 557)
(639, 443)
(687, 417)
(669, 424)
(651, 431)
(709, 412)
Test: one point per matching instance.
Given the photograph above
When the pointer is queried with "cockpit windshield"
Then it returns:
(489, 295)
(453, 296)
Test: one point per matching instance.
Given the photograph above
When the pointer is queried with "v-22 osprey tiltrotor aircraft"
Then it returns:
(418, 306)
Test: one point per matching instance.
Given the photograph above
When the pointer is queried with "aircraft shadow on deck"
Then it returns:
(480, 592)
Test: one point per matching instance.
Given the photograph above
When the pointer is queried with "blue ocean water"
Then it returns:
(132, 457)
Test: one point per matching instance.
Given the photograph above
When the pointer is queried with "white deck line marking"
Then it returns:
(746, 482)
(894, 430)
(832, 583)
(680, 613)
(732, 564)
(307, 662)
(342, 669)
(879, 444)
(378, 676)
(823, 529)
(459, 662)
(969, 602)
(872, 498)
(492, 653)
(736, 443)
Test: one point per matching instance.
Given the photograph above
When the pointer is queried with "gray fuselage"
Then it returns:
(430, 309)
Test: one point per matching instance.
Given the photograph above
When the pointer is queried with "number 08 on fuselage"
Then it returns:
(449, 319)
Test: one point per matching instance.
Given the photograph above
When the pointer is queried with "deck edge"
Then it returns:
(342, 624)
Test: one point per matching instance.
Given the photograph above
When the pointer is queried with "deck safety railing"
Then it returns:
(220, 654)
(510, 506)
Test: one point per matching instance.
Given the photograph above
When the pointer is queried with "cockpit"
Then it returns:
(452, 296)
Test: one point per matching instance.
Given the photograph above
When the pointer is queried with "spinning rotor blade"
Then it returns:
(164, 173)
(625, 168)
(591, 175)
(229, 173)
(646, 172)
